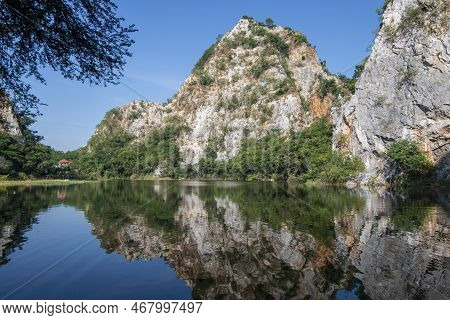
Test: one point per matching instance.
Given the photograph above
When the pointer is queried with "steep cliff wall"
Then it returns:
(404, 91)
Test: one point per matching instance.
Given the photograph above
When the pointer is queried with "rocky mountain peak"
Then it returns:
(254, 80)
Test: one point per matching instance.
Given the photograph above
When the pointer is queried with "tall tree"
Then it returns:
(82, 39)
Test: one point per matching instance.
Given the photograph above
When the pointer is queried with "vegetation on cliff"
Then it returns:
(413, 164)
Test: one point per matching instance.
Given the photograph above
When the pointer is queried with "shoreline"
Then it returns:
(61, 182)
(41, 182)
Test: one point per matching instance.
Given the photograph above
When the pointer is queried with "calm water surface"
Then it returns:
(222, 240)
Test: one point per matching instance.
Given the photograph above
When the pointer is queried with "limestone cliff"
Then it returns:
(8, 121)
(253, 80)
(404, 90)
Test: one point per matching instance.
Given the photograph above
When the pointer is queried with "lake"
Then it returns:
(222, 240)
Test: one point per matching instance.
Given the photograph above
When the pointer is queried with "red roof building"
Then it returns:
(63, 162)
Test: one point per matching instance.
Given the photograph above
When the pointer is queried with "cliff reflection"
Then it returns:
(259, 240)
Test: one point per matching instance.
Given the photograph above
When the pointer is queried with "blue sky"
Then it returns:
(173, 35)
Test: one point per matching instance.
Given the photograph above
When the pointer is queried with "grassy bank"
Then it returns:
(40, 182)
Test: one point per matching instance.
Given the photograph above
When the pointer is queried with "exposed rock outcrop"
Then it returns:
(8, 121)
(404, 90)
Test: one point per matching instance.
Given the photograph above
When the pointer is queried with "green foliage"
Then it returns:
(278, 43)
(135, 114)
(407, 75)
(305, 155)
(229, 104)
(251, 98)
(410, 159)
(258, 31)
(327, 86)
(300, 38)
(411, 17)
(221, 66)
(25, 157)
(349, 83)
(205, 58)
(204, 78)
(390, 32)
(243, 41)
(430, 16)
(305, 104)
(106, 157)
(119, 156)
(248, 18)
(284, 86)
(359, 69)
(269, 23)
(341, 168)
(83, 40)
(260, 66)
(161, 150)
(267, 110)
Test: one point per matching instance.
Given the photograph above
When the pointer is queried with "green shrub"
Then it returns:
(284, 86)
(305, 104)
(134, 115)
(341, 168)
(327, 86)
(204, 78)
(221, 66)
(300, 38)
(243, 41)
(235, 77)
(259, 67)
(410, 159)
(348, 83)
(278, 43)
(407, 75)
(251, 98)
(258, 31)
(269, 23)
(229, 104)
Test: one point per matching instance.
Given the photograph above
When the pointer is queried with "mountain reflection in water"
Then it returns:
(257, 240)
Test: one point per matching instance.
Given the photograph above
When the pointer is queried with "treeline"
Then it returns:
(298, 156)
(115, 156)
(305, 155)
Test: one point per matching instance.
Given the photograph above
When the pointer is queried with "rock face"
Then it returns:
(254, 80)
(8, 121)
(404, 90)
